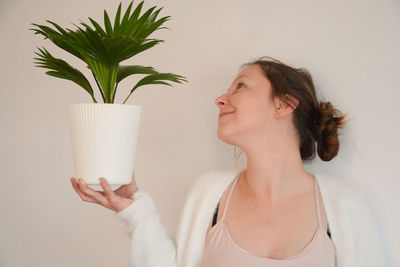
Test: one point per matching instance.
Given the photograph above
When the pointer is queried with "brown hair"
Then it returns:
(314, 121)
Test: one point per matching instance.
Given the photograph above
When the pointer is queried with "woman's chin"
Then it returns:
(223, 135)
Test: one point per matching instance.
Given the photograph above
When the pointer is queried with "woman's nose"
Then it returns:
(221, 100)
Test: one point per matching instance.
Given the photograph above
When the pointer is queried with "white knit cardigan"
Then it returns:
(355, 231)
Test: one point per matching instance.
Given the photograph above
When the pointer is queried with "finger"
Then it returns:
(76, 186)
(81, 194)
(89, 191)
(84, 186)
(133, 181)
(109, 193)
(92, 193)
(127, 189)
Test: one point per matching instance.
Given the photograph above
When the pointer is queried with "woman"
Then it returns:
(273, 212)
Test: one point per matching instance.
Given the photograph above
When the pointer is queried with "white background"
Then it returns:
(350, 47)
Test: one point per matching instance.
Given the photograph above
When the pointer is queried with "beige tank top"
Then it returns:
(221, 250)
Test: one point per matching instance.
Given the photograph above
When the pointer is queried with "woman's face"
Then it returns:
(248, 101)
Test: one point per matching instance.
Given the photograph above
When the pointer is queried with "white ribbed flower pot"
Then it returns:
(103, 138)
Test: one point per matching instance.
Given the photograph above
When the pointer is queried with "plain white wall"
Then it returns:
(350, 47)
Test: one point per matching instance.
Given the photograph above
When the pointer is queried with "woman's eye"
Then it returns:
(239, 84)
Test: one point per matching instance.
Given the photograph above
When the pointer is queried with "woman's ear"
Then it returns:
(283, 107)
(294, 102)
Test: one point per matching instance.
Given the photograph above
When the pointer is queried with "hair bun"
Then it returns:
(330, 120)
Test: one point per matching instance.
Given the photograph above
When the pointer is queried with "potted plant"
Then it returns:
(104, 135)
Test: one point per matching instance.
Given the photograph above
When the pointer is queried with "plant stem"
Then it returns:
(94, 99)
(115, 90)
(98, 85)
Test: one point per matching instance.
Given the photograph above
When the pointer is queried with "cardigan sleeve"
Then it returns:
(370, 241)
(150, 244)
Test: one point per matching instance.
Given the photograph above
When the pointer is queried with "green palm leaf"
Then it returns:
(61, 69)
(157, 78)
(107, 24)
(123, 25)
(125, 71)
(59, 39)
(117, 21)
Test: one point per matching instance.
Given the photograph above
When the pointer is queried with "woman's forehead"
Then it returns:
(253, 73)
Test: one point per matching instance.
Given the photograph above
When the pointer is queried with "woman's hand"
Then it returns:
(114, 200)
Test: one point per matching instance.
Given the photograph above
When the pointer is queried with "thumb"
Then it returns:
(128, 189)
(133, 181)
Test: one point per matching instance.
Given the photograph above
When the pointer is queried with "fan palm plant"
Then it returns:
(104, 49)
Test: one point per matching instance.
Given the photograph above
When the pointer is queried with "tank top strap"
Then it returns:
(228, 200)
(317, 202)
